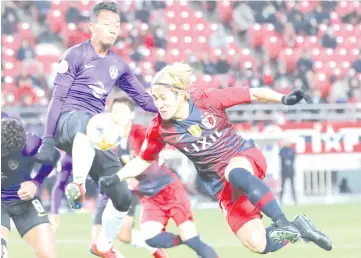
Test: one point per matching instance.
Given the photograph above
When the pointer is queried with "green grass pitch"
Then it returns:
(341, 222)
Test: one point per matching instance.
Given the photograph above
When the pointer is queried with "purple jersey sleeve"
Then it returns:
(67, 69)
(43, 173)
(131, 85)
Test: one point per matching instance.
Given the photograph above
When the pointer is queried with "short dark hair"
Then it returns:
(12, 136)
(103, 6)
(125, 101)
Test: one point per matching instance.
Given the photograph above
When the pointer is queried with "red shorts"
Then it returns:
(171, 202)
(234, 203)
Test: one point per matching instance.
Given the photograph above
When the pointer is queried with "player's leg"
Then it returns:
(244, 174)
(181, 213)
(120, 198)
(57, 195)
(153, 221)
(101, 203)
(70, 137)
(5, 228)
(256, 237)
(34, 227)
(4, 244)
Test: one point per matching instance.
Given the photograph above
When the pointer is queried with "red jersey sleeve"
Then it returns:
(153, 143)
(226, 98)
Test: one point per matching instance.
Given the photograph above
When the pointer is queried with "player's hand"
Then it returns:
(27, 190)
(47, 153)
(296, 96)
(55, 221)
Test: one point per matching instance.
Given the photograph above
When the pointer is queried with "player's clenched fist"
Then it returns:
(296, 96)
(27, 190)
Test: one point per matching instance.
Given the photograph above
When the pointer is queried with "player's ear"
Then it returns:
(91, 27)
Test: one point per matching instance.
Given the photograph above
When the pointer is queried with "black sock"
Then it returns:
(164, 240)
(201, 248)
(257, 192)
(272, 246)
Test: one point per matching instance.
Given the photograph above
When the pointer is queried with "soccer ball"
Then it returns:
(103, 131)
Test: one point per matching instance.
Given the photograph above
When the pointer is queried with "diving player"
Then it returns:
(231, 167)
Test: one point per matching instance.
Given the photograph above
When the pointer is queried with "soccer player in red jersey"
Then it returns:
(231, 167)
(161, 193)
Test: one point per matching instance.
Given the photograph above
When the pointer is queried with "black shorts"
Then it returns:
(102, 201)
(105, 163)
(25, 214)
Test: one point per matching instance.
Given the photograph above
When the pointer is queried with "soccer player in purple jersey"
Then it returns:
(86, 75)
(19, 201)
(231, 167)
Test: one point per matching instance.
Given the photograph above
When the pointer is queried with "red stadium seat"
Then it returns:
(25, 32)
(289, 58)
(13, 42)
(274, 46)
(255, 35)
(321, 81)
(225, 11)
(344, 7)
(56, 20)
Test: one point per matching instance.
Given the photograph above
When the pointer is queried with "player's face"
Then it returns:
(122, 113)
(106, 28)
(166, 101)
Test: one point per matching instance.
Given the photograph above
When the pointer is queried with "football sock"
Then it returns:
(83, 154)
(164, 240)
(272, 246)
(4, 248)
(257, 192)
(201, 248)
(112, 221)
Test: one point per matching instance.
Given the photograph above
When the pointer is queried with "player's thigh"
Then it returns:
(253, 235)
(153, 218)
(33, 225)
(69, 124)
(41, 239)
(187, 230)
(252, 160)
(125, 233)
(105, 163)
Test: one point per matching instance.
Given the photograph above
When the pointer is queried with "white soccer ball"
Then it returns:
(103, 131)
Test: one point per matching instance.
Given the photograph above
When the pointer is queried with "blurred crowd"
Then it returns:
(315, 45)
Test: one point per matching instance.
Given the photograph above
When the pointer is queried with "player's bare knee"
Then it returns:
(187, 230)
(256, 242)
(150, 229)
(238, 162)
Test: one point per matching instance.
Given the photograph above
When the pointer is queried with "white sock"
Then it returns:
(138, 241)
(83, 156)
(112, 221)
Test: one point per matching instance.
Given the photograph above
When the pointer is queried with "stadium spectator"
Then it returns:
(160, 63)
(160, 40)
(338, 92)
(357, 63)
(219, 38)
(25, 52)
(329, 39)
(222, 64)
(73, 14)
(207, 65)
(243, 17)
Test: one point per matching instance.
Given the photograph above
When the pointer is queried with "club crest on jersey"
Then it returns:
(195, 130)
(13, 164)
(113, 71)
(209, 122)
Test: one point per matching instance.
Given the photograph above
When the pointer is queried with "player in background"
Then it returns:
(86, 75)
(231, 167)
(62, 178)
(161, 194)
(18, 190)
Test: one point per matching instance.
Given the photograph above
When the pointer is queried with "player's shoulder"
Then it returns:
(32, 144)
(137, 128)
(76, 49)
(153, 127)
(199, 94)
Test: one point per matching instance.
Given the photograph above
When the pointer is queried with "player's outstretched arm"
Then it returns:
(133, 168)
(132, 86)
(268, 95)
